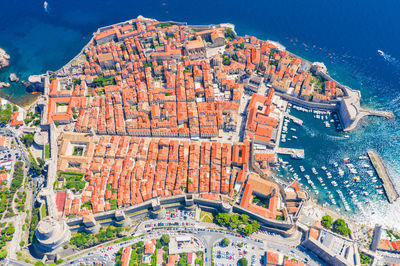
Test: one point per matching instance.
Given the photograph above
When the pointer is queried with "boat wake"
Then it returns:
(336, 137)
(390, 59)
(45, 7)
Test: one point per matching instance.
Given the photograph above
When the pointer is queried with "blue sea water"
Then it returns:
(345, 35)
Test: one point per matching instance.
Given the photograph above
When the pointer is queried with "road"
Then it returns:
(209, 234)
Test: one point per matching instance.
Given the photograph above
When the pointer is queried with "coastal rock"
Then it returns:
(4, 85)
(13, 77)
(4, 59)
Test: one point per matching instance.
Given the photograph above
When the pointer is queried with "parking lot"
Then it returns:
(229, 255)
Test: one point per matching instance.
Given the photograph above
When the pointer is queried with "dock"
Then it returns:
(294, 119)
(380, 169)
(289, 151)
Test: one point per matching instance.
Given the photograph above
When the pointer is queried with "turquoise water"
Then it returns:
(345, 35)
(323, 147)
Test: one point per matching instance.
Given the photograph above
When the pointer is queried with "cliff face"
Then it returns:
(4, 59)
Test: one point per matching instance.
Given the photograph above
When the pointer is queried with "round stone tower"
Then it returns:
(51, 235)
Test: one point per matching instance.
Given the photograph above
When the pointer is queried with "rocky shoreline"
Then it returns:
(4, 59)
(4, 62)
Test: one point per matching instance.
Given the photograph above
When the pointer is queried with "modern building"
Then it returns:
(332, 248)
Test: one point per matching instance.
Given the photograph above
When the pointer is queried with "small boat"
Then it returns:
(365, 165)
(45, 6)
(357, 178)
(346, 160)
(314, 171)
(302, 168)
(295, 137)
(353, 171)
(381, 53)
(297, 156)
(363, 157)
(292, 129)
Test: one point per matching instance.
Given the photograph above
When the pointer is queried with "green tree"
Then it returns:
(225, 242)
(244, 218)
(326, 221)
(109, 232)
(158, 244)
(229, 34)
(243, 262)
(10, 230)
(27, 139)
(40, 161)
(234, 221)
(248, 229)
(3, 254)
(222, 218)
(226, 61)
(165, 239)
(255, 225)
(340, 227)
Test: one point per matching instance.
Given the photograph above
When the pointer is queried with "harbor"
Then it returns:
(338, 177)
(382, 173)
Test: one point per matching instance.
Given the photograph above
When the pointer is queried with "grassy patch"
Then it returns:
(78, 151)
(73, 180)
(206, 217)
(47, 151)
(43, 211)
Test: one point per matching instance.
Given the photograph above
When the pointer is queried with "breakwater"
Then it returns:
(382, 173)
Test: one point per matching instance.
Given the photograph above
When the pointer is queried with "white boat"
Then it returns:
(297, 156)
(340, 172)
(363, 157)
(334, 183)
(353, 171)
(302, 168)
(335, 164)
(292, 129)
(323, 168)
(314, 171)
(295, 137)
